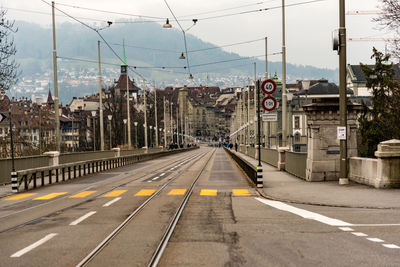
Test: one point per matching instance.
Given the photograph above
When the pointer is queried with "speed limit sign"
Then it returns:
(269, 103)
(268, 86)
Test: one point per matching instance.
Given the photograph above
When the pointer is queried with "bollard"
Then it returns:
(14, 181)
(259, 177)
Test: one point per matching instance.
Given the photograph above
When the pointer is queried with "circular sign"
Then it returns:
(268, 86)
(269, 103)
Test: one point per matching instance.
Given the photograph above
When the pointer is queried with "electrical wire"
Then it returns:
(97, 31)
(184, 36)
(217, 47)
(110, 12)
(226, 9)
(259, 10)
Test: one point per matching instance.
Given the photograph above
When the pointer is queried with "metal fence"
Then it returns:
(295, 163)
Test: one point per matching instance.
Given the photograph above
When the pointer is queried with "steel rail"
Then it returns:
(120, 227)
(91, 198)
(171, 227)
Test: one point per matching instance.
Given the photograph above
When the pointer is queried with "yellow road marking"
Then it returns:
(175, 192)
(20, 196)
(208, 192)
(241, 192)
(83, 194)
(115, 193)
(145, 192)
(50, 196)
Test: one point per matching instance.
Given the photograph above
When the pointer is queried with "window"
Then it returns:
(297, 137)
(297, 122)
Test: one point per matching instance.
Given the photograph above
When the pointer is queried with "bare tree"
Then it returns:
(390, 19)
(8, 67)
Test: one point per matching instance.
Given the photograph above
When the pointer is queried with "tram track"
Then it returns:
(164, 240)
(164, 167)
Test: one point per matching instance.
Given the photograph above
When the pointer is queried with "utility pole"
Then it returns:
(248, 113)
(172, 127)
(266, 133)
(100, 102)
(284, 104)
(177, 125)
(58, 141)
(342, 92)
(145, 116)
(255, 104)
(155, 114)
(165, 126)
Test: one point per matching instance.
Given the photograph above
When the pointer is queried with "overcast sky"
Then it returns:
(308, 26)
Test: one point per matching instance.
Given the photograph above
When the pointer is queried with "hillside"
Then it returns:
(34, 53)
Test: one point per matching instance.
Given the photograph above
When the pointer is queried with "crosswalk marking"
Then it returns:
(240, 192)
(145, 192)
(115, 193)
(175, 192)
(208, 192)
(50, 196)
(83, 194)
(20, 196)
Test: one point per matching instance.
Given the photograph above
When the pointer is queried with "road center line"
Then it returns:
(155, 178)
(34, 245)
(303, 213)
(84, 217)
(109, 203)
(162, 174)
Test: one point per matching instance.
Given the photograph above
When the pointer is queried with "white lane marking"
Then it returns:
(155, 178)
(84, 217)
(303, 213)
(359, 234)
(34, 245)
(109, 203)
(171, 169)
(346, 229)
(382, 224)
(162, 174)
(373, 239)
(149, 181)
(390, 246)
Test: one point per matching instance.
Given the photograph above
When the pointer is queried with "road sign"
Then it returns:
(269, 103)
(272, 116)
(2, 117)
(341, 133)
(268, 86)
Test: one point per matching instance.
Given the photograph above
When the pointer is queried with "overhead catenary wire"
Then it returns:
(100, 35)
(184, 36)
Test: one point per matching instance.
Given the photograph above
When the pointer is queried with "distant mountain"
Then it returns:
(34, 52)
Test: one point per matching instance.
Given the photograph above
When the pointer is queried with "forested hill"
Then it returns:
(34, 45)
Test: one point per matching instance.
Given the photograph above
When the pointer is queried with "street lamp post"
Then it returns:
(136, 143)
(151, 136)
(125, 121)
(94, 129)
(172, 128)
(109, 120)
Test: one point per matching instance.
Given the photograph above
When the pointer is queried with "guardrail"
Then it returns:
(32, 178)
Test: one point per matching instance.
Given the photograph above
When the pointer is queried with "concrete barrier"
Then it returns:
(246, 166)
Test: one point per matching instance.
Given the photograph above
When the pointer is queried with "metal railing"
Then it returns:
(32, 178)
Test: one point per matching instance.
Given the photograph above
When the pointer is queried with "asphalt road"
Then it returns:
(225, 223)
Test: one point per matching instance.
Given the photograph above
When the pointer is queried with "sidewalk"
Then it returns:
(282, 186)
